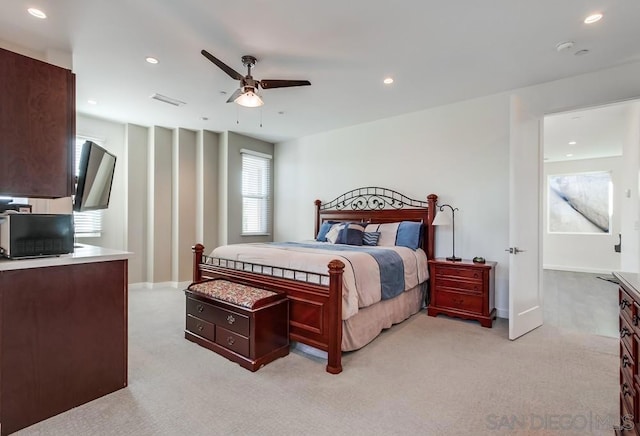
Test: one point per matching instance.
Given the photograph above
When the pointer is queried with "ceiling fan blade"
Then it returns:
(224, 67)
(268, 83)
(235, 95)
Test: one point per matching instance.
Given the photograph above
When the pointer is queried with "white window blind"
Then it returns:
(87, 224)
(256, 188)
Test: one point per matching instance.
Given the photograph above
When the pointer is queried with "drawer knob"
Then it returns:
(625, 361)
(230, 340)
(476, 275)
(200, 327)
(231, 319)
(624, 304)
(624, 332)
(200, 307)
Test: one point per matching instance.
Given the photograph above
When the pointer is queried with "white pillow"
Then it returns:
(388, 232)
(332, 235)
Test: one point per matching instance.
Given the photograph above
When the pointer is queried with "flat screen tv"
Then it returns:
(95, 176)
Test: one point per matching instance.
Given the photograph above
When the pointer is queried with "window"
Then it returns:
(256, 189)
(87, 224)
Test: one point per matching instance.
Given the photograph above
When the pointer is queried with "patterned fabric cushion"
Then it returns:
(370, 238)
(235, 293)
(351, 234)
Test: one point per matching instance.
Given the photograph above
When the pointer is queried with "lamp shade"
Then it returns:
(249, 99)
(441, 219)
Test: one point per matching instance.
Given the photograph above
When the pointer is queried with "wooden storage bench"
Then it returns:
(247, 325)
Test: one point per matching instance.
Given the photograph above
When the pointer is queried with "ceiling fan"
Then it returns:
(247, 95)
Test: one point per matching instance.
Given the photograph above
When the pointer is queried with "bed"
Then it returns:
(321, 278)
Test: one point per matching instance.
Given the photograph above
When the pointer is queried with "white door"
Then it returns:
(525, 287)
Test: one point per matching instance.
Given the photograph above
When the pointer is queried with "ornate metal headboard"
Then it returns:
(380, 205)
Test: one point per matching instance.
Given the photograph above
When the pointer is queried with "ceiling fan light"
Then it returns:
(249, 99)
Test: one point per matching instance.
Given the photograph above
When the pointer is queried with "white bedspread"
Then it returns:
(361, 279)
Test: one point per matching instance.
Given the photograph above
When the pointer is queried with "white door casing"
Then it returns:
(525, 272)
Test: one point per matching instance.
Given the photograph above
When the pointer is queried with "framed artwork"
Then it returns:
(580, 203)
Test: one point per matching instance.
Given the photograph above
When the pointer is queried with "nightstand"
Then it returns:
(463, 289)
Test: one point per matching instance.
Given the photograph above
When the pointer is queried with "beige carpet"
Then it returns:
(427, 376)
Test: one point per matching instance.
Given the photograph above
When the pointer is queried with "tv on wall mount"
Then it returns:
(95, 177)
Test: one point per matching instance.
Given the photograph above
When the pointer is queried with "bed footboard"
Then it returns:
(315, 303)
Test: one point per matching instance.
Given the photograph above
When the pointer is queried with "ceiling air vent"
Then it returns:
(165, 99)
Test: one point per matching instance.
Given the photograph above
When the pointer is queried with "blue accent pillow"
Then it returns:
(409, 233)
(351, 234)
(324, 229)
(370, 238)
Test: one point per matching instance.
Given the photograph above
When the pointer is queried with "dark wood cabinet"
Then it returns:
(463, 289)
(37, 128)
(63, 338)
(629, 320)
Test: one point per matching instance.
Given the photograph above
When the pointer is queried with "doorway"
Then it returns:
(589, 214)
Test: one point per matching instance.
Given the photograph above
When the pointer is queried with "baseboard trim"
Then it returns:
(578, 269)
(502, 313)
(151, 285)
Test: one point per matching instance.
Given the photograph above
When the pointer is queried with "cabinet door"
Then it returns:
(37, 127)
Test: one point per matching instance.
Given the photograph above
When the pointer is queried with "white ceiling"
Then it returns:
(437, 51)
(597, 132)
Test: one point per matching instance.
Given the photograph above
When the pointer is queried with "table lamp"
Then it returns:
(442, 219)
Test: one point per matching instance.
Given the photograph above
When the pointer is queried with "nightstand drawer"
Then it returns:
(201, 328)
(232, 341)
(459, 301)
(446, 271)
(459, 285)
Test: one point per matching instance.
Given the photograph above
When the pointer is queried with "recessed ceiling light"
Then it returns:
(572, 142)
(37, 13)
(388, 81)
(581, 52)
(151, 60)
(569, 155)
(593, 18)
(92, 102)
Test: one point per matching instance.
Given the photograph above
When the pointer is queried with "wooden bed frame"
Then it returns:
(315, 300)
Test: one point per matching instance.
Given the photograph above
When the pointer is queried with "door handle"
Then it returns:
(514, 250)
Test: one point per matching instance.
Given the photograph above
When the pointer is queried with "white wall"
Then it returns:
(137, 187)
(583, 252)
(630, 199)
(459, 152)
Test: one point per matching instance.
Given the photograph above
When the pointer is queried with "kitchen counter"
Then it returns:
(82, 254)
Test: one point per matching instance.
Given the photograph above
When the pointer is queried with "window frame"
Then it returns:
(264, 196)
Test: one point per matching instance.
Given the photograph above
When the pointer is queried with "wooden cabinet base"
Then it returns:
(485, 321)
(63, 340)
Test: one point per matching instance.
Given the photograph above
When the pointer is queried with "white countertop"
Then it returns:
(82, 254)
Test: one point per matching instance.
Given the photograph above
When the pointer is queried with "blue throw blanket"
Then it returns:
(390, 263)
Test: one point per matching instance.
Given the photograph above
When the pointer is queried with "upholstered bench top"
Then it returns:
(235, 293)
